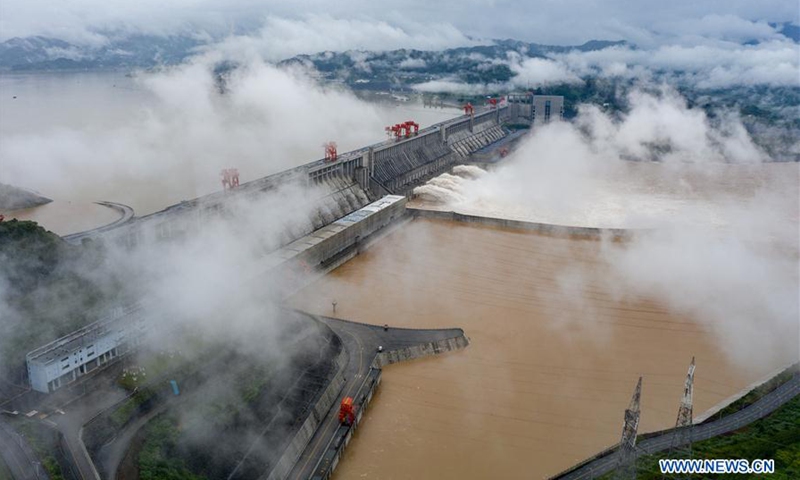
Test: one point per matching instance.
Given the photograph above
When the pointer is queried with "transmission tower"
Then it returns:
(626, 455)
(681, 445)
(685, 410)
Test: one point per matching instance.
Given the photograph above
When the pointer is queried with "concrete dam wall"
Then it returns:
(316, 415)
(473, 133)
(337, 188)
(332, 197)
(402, 166)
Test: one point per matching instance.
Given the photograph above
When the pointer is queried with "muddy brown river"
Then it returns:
(555, 354)
(64, 218)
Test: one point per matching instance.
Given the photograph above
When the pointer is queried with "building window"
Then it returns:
(546, 111)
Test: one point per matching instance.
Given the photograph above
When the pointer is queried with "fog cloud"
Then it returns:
(687, 62)
(172, 144)
(572, 22)
(720, 242)
(773, 63)
(282, 38)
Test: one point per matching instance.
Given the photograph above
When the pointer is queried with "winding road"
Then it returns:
(126, 214)
(19, 456)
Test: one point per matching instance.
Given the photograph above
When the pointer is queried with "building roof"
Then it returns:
(111, 322)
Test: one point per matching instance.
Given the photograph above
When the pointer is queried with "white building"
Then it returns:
(63, 361)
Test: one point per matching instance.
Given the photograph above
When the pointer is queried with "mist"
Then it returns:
(714, 221)
(207, 294)
(704, 66)
(92, 22)
(168, 141)
(213, 308)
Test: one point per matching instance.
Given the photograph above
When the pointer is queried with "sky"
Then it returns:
(418, 22)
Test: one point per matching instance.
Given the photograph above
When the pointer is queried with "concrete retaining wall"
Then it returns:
(301, 262)
(420, 351)
(330, 460)
(330, 394)
(321, 407)
(546, 228)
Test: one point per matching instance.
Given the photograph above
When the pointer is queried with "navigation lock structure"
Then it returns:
(356, 198)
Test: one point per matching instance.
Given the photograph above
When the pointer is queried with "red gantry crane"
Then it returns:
(230, 178)
(347, 411)
(330, 152)
(469, 109)
(403, 130)
(393, 130)
(412, 128)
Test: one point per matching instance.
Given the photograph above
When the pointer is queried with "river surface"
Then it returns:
(64, 218)
(555, 353)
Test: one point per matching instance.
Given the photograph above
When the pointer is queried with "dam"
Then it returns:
(535, 348)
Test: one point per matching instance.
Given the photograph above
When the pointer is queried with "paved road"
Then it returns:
(361, 342)
(111, 455)
(18, 455)
(78, 413)
(766, 405)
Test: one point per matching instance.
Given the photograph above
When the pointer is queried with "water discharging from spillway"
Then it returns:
(631, 195)
(469, 171)
(555, 354)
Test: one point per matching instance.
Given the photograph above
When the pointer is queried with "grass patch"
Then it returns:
(123, 414)
(5, 473)
(44, 442)
(158, 459)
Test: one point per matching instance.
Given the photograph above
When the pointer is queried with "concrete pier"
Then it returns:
(544, 228)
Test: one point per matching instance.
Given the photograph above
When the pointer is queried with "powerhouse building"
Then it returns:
(547, 108)
(535, 110)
